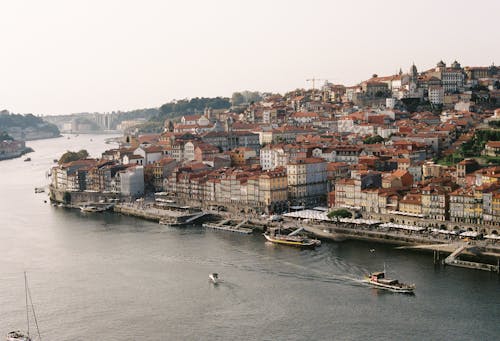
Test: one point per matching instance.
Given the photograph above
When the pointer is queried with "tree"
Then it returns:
(73, 156)
(191, 106)
(373, 139)
(237, 99)
(5, 137)
(340, 213)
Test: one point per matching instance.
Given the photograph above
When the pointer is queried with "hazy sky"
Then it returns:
(69, 56)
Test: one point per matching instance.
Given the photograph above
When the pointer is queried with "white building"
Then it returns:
(436, 94)
(132, 181)
(150, 154)
(273, 157)
(189, 150)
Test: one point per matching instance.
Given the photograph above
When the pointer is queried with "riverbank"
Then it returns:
(15, 155)
(178, 215)
(483, 251)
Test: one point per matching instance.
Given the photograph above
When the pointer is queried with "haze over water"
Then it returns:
(110, 277)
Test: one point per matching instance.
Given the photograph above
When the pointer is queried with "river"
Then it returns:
(110, 277)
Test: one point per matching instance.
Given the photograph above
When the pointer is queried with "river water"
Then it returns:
(110, 277)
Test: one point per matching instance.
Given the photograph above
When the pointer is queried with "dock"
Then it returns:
(455, 250)
(225, 225)
(453, 260)
(162, 216)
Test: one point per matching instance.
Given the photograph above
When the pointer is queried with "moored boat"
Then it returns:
(88, 209)
(291, 240)
(18, 336)
(378, 279)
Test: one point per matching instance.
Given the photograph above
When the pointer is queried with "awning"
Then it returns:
(469, 234)
(403, 227)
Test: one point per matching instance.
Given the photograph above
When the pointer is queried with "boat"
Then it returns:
(18, 336)
(89, 209)
(378, 279)
(21, 336)
(214, 278)
(276, 237)
(27, 159)
(95, 208)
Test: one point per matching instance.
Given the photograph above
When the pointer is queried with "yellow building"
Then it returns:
(273, 190)
(411, 204)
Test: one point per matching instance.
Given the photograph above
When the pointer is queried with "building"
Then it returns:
(230, 140)
(436, 94)
(273, 190)
(435, 203)
(132, 181)
(307, 182)
(466, 206)
(411, 205)
(492, 148)
(161, 171)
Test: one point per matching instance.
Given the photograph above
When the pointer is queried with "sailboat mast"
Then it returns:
(34, 315)
(26, 297)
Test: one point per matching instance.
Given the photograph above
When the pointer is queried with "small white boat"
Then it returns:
(18, 336)
(88, 209)
(214, 278)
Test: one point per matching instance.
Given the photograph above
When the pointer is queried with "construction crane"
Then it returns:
(313, 80)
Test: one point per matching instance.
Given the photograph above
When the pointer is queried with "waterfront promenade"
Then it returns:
(331, 230)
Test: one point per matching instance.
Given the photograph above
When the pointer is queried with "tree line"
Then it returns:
(195, 105)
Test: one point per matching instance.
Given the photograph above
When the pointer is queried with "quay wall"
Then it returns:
(78, 198)
(138, 212)
(337, 233)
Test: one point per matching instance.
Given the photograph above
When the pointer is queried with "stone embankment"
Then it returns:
(479, 249)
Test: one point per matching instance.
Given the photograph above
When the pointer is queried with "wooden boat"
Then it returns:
(274, 236)
(378, 279)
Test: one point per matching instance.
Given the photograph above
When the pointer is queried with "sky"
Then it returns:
(68, 56)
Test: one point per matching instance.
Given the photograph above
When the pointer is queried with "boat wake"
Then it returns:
(348, 274)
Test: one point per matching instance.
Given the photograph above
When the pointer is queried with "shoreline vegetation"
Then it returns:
(26, 127)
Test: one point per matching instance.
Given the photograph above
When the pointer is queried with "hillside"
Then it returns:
(26, 127)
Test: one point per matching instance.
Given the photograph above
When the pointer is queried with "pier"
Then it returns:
(455, 250)
(225, 225)
(164, 216)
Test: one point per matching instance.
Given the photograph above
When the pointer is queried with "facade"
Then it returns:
(307, 182)
(492, 148)
(132, 181)
(435, 203)
(273, 190)
(230, 140)
(436, 94)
